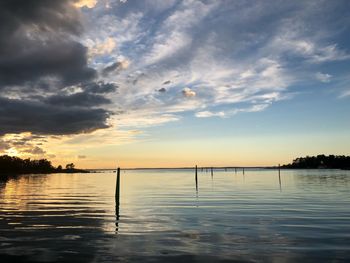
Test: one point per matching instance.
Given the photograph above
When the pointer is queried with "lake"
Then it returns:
(232, 217)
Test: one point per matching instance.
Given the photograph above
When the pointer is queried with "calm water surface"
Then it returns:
(251, 217)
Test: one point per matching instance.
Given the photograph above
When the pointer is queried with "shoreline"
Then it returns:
(63, 171)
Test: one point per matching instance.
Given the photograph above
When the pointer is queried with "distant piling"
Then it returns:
(243, 170)
(235, 170)
(279, 176)
(279, 170)
(211, 171)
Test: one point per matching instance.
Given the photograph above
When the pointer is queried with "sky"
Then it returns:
(170, 83)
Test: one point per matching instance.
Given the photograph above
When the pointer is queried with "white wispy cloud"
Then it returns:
(207, 114)
(145, 119)
(101, 47)
(345, 93)
(323, 77)
(219, 54)
(231, 112)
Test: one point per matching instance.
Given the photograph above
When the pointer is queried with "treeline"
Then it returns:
(320, 161)
(16, 165)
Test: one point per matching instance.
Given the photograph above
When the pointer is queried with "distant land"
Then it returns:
(11, 165)
(320, 162)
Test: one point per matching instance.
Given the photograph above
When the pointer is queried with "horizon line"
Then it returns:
(184, 167)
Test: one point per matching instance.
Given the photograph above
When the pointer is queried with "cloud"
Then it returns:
(231, 112)
(85, 3)
(144, 119)
(207, 114)
(36, 42)
(46, 84)
(230, 56)
(64, 60)
(25, 144)
(17, 116)
(34, 151)
(116, 66)
(4, 146)
(188, 93)
(80, 99)
(345, 93)
(184, 49)
(323, 77)
(103, 48)
(99, 87)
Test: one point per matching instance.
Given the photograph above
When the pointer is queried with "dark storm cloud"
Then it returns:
(115, 67)
(64, 60)
(100, 87)
(36, 41)
(18, 116)
(39, 52)
(46, 14)
(80, 99)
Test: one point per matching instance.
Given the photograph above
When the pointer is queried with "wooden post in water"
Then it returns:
(243, 170)
(211, 170)
(196, 178)
(279, 169)
(117, 200)
(279, 176)
(117, 188)
(235, 170)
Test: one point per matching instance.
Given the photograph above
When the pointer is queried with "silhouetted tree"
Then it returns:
(12, 164)
(70, 166)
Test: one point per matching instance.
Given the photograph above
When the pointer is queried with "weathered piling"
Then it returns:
(117, 201)
(211, 171)
(243, 170)
(117, 188)
(196, 178)
(235, 170)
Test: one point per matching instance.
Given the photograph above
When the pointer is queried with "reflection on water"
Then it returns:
(258, 215)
